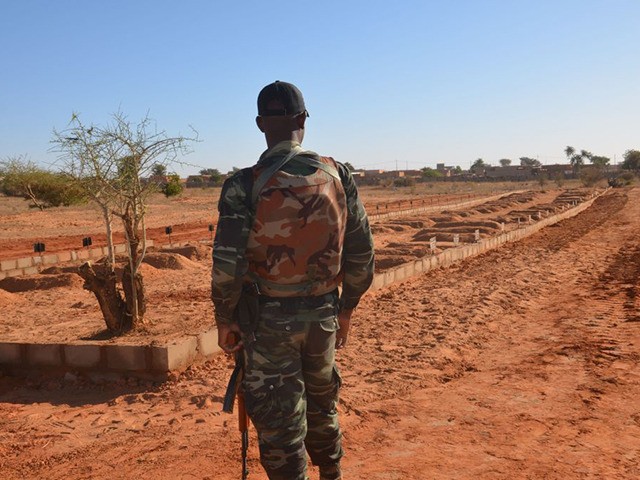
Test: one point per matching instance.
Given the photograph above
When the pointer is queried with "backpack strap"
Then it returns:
(312, 162)
(246, 180)
(269, 172)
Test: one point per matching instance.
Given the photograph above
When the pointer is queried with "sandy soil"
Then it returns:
(177, 289)
(521, 363)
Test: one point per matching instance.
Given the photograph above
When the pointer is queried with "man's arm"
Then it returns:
(229, 247)
(358, 246)
(357, 254)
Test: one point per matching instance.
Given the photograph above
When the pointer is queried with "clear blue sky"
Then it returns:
(412, 82)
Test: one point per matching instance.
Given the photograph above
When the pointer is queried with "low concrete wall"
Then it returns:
(35, 264)
(143, 360)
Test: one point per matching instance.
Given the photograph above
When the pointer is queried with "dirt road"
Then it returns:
(519, 364)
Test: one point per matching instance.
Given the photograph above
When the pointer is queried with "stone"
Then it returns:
(45, 355)
(82, 356)
(126, 357)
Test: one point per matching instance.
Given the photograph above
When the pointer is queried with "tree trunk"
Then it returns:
(134, 297)
(107, 222)
(33, 198)
(102, 282)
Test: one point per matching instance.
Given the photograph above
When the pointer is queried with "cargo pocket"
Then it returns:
(329, 402)
(263, 403)
(330, 325)
(337, 378)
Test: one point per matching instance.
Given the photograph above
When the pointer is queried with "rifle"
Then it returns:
(234, 389)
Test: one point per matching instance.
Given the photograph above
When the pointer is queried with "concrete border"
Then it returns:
(143, 360)
(32, 265)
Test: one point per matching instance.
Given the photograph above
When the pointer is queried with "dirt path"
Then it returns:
(521, 363)
(530, 366)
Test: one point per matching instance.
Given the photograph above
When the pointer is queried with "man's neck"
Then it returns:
(273, 141)
(280, 148)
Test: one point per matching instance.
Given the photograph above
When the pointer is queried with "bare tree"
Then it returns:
(110, 163)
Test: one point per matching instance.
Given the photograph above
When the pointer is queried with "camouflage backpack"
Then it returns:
(295, 245)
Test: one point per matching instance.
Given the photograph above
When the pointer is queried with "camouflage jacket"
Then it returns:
(235, 221)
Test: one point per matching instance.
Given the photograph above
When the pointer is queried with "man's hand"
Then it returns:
(344, 322)
(224, 330)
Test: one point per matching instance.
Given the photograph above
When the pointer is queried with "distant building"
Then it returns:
(445, 170)
(512, 172)
(559, 170)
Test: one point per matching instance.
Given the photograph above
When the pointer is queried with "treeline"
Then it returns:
(22, 178)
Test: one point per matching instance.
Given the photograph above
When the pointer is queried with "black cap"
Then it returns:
(280, 98)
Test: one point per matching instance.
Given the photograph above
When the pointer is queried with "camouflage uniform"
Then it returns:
(291, 383)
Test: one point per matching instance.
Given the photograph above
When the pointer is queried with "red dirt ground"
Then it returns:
(518, 364)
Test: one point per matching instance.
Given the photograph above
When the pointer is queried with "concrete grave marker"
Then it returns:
(432, 244)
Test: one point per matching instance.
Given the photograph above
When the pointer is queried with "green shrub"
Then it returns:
(589, 177)
(173, 187)
(626, 178)
(430, 173)
(22, 178)
(57, 190)
(404, 182)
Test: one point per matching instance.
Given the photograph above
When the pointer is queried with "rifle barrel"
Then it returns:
(245, 448)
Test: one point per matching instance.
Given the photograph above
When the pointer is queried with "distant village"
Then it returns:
(530, 171)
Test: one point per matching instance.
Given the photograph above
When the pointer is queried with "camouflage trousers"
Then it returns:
(291, 388)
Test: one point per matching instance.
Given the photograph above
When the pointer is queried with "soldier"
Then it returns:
(293, 254)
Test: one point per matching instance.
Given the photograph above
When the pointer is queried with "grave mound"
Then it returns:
(192, 252)
(41, 282)
(169, 261)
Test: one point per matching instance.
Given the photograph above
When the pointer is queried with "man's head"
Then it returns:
(281, 113)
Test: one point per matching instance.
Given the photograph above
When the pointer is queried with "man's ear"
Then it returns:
(259, 123)
(300, 119)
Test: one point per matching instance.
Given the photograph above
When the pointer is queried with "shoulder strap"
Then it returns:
(312, 162)
(247, 185)
(264, 177)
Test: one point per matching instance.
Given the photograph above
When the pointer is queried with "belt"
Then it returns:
(307, 301)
